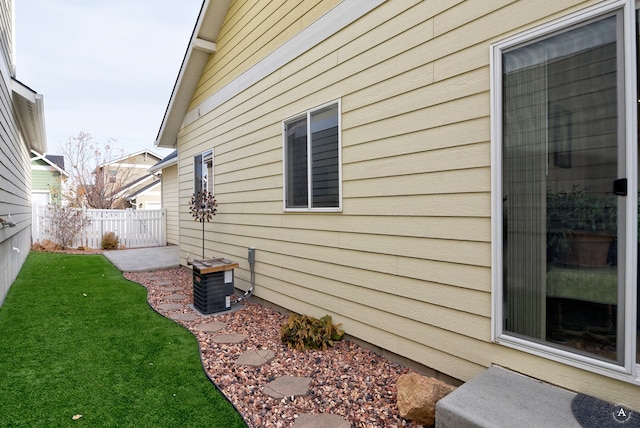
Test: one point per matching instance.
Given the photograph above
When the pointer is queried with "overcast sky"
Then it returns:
(106, 67)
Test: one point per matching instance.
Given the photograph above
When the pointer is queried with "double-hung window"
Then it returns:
(565, 173)
(312, 160)
(203, 172)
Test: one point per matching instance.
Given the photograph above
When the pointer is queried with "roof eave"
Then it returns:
(201, 45)
(29, 108)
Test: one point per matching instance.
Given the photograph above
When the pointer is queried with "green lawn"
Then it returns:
(77, 338)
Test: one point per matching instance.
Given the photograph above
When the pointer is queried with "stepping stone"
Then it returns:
(255, 358)
(229, 338)
(171, 306)
(321, 420)
(185, 317)
(211, 326)
(176, 297)
(151, 276)
(171, 289)
(287, 386)
(163, 283)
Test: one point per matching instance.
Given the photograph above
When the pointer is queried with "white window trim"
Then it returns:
(204, 156)
(630, 371)
(307, 114)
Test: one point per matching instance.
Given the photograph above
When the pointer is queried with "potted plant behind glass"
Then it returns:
(581, 227)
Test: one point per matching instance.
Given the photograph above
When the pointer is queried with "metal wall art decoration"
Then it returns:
(203, 208)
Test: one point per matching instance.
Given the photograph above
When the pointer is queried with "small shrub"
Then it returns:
(305, 332)
(110, 241)
(62, 225)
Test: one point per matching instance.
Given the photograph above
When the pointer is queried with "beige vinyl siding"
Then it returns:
(15, 176)
(171, 203)
(406, 265)
(251, 31)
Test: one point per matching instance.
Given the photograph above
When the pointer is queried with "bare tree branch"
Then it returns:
(95, 180)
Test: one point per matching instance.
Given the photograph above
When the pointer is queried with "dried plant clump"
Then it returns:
(305, 332)
(110, 241)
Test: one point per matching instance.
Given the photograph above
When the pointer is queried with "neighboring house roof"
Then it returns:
(168, 160)
(142, 190)
(128, 156)
(202, 44)
(29, 109)
(134, 187)
(55, 161)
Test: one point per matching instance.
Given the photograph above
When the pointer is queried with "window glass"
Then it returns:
(324, 154)
(312, 160)
(296, 152)
(560, 149)
(197, 173)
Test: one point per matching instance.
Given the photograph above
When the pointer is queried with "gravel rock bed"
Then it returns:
(347, 380)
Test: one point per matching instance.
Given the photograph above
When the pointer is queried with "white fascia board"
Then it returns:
(201, 45)
(29, 107)
(43, 158)
(163, 165)
(341, 16)
(204, 45)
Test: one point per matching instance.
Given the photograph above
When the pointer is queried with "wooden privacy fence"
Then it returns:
(134, 228)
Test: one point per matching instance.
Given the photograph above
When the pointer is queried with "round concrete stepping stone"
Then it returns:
(211, 326)
(255, 358)
(229, 338)
(321, 420)
(287, 386)
(170, 306)
(185, 317)
(176, 297)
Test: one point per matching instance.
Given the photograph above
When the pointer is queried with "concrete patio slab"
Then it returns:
(145, 259)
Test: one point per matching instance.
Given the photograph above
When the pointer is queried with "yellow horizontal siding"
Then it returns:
(251, 31)
(406, 265)
(171, 202)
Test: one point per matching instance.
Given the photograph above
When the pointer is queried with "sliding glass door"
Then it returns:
(564, 189)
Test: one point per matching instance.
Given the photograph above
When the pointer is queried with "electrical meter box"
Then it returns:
(213, 285)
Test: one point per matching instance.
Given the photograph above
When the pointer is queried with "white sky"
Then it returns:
(106, 67)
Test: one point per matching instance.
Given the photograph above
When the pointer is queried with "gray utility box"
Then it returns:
(213, 285)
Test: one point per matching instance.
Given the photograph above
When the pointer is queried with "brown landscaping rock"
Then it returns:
(418, 395)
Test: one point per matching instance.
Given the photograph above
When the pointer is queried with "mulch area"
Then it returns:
(347, 380)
